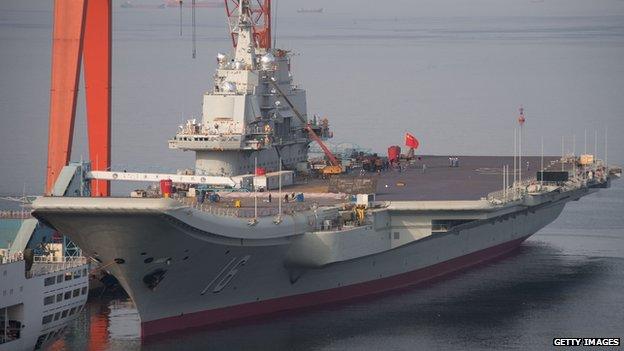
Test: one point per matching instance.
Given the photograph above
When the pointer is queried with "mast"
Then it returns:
(514, 158)
(595, 145)
(605, 154)
(542, 163)
(562, 152)
(255, 188)
(521, 121)
(245, 46)
(259, 15)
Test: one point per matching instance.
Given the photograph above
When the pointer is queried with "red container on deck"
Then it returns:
(394, 152)
(260, 171)
(165, 187)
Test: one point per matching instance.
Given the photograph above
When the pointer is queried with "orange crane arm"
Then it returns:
(81, 34)
(332, 159)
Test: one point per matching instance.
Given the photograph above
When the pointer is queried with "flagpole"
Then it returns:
(280, 189)
(562, 152)
(514, 157)
(595, 145)
(605, 154)
(542, 163)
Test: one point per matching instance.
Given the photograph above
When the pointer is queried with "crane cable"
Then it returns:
(194, 28)
(274, 29)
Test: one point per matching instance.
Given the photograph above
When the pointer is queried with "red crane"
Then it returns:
(82, 33)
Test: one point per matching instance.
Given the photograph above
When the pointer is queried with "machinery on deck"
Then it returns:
(334, 166)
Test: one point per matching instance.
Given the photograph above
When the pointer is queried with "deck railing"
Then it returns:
(510, 194)
(10, 214)
(48, 264)
(244, 212)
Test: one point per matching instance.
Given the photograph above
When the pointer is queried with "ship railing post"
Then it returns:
(606, 162)
(595, 146)
(520, 155)
(542, 164)
(504, 189)
(515, 162)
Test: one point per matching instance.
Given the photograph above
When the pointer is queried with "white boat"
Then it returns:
(39, 295)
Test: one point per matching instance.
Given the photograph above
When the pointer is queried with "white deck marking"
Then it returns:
(217, 276)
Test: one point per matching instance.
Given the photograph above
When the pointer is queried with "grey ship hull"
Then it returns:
(215, 269)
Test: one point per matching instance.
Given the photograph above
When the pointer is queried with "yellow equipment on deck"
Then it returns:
(331, 170)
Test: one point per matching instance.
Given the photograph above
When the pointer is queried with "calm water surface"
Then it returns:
(565, 281)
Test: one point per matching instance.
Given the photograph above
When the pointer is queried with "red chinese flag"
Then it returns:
(411, 141)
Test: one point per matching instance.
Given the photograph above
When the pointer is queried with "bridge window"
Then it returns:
(49, 281)
(46, 319)
(48, 300)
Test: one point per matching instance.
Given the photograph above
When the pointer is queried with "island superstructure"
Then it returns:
(186, 262)
(245, 123)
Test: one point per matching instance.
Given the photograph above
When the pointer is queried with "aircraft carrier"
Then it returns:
(187, 263)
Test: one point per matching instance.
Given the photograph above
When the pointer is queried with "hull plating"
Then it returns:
(202, 282)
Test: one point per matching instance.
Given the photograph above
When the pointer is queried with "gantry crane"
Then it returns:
(83, 33)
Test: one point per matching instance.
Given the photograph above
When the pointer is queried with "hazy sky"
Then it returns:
(453, 72)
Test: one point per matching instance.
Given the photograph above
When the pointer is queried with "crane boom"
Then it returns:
(330, 156)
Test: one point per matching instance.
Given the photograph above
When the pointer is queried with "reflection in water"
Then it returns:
(98, 326)
(124, 320)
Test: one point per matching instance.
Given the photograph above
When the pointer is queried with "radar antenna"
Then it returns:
(260, 14)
